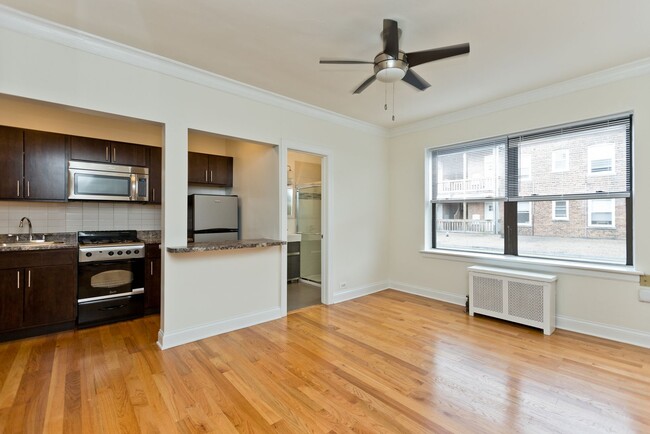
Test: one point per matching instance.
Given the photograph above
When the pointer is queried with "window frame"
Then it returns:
(590, 159)
(590, 211)
(554, 160)
(554, 216)
(511, 160)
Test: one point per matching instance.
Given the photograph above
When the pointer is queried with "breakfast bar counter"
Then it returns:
(226, 245)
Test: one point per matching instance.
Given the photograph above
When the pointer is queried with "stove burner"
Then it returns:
(107, 237)
(109, 246)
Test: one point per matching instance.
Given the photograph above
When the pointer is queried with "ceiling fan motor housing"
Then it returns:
(388, 69)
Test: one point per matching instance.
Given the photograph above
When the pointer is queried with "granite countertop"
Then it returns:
(226, 245)
(149, 237)
(17, 243)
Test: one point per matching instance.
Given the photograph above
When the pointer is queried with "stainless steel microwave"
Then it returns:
(98, 181)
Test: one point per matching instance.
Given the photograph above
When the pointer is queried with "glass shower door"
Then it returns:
(308, 220)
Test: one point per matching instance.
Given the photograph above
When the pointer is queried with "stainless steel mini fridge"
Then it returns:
(212, 218)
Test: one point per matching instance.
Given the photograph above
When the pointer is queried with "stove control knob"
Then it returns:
(136, 251)
(111, 253)
(128, 252)
(119, 252)
(88, 254)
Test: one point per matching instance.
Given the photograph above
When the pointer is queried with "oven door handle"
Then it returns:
(113, 307)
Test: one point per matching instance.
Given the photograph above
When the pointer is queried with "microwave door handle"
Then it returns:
(134, 187)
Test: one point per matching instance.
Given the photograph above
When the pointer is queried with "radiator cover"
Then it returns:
(513, 295)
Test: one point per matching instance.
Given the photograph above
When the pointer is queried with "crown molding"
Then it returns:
(33, 26)
(599, 78)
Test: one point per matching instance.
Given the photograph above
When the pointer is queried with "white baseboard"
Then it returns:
(180, 337)
(350, 294)
(448, 297)
(606, 331)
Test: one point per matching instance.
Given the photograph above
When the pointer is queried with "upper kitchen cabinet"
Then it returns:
(209, 169)
(105, 151)
(33, 165)
(11, 163)
(155, 175)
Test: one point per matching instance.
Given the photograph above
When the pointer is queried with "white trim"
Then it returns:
(601, 271)
(553, 209)
(33, 26)
(326, 213)
(599, 78)
(448, 297)
(359, 292)
(615, 333)
(590, 210)
(529, 223)
(605, 331)
(180, 337)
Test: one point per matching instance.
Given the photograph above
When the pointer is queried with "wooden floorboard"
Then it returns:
(385, 363)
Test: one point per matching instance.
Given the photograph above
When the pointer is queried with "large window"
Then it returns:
(522, 194)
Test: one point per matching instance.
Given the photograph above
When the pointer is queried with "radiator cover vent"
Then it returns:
(514, 295)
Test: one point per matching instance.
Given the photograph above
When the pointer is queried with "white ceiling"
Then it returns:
(516, 45)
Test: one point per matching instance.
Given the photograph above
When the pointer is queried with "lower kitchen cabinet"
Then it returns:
(38, 292)
(152, 279)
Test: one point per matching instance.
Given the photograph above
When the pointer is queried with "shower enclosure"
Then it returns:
(308, 221)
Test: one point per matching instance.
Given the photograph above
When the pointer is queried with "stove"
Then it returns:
(109, 246)
(110, 277)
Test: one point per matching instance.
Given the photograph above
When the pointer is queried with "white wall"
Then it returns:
(605, 301)
(40, 69)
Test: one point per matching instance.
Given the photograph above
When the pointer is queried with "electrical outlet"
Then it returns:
(644, 295)
(644, 280)
(343, 285)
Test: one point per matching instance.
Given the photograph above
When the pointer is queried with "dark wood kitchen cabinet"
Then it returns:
(11, 163)
(38, 292)
(152, 279)
(106, 151)
(209, 169)
(155, 175)
(33, 165)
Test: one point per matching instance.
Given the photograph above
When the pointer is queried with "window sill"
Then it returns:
(611, 272)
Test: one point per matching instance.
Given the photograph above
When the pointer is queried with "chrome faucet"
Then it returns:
(30, 226)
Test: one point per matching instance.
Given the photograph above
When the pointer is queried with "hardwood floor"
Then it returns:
(388, 362)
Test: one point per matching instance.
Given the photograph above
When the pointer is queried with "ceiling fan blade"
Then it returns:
(343, 62)
(365, 84)
(412, 78)
(420, 57)
(390, 35)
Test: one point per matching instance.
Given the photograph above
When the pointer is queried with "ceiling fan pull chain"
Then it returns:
(393, 102)
(385, 97)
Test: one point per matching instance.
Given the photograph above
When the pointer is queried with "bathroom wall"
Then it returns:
(77, 216)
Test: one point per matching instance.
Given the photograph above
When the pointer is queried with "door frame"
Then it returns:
(326, 212)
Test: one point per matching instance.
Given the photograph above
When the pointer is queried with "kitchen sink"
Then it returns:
(30, 243)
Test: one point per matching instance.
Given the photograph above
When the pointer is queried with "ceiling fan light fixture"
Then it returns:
(390, 75)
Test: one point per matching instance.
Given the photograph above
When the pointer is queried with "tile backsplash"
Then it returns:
(78, 216)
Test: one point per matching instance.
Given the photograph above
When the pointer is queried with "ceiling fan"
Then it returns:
(393, 64)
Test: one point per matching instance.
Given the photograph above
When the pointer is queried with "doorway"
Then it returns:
(304, 229)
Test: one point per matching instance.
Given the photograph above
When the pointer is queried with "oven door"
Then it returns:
(106, 279)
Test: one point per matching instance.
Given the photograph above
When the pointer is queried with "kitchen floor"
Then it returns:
(302, 295)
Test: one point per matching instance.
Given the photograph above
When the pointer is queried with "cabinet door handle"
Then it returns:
(153, 193)
(18, 188)
(29, 278)
(27, 188)
(114, 155)
(206, 175)
(18, 281)
(107, 156)
(151, 267)
(211, 176)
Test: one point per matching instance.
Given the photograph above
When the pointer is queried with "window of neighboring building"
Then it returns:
(560, 160)
(524, 212)
(525, 167)
(483, 199)
(560, 210)
(601, 159)
(602, 213)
